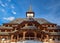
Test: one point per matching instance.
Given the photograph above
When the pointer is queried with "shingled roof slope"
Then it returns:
(39, 20)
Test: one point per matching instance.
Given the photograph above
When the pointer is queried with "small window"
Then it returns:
(6, 25)
(30, 24)
(23, 25)
(58, 38)
(52, 25)
(2, 30)
(11, 25)
(48, 25)
(53, 38)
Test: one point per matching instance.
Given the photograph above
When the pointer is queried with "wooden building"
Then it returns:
(29, 28)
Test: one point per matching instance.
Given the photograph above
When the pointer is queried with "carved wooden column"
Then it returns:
(41, 37)
(6, 39)
(17, 38)
(1, 39)
(12, 38)
(9, 39)
(47, 38)
(23, 35)
(26, 24)
(35, 35)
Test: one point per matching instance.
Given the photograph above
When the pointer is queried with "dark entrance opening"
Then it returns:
(29, 36)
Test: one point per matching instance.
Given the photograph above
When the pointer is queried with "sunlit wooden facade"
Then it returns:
(29, 28)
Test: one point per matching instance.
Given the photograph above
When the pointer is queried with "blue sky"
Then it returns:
(12, 9)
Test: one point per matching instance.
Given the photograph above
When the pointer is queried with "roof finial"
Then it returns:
(30, 8)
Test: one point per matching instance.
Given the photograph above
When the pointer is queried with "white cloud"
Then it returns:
(3, 5)
(13, 12)
(9, 18)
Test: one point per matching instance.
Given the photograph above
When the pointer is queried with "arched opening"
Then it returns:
(21, 36)
(29, 35)
(39, 36)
